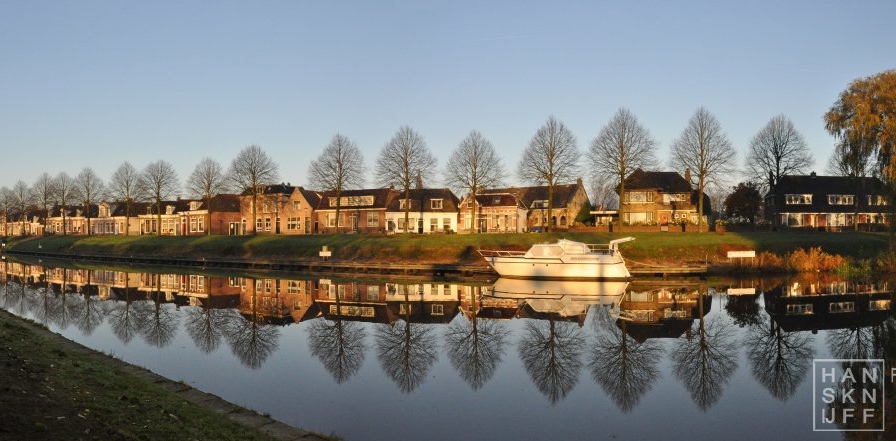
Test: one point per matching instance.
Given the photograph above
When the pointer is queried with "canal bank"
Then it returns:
(54, 388)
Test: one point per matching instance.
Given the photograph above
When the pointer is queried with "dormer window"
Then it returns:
(798, 199)
(194, 205)
(436, 204)
(840, 199)
(403, 204)
(169, 209)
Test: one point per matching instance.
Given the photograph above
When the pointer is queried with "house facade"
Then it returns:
(496, 212)
(360, 211)
(170, 218)
(827, 202)
(430, 210)
(282, 209)
(69, 220)
(224, 218)
(660, 198)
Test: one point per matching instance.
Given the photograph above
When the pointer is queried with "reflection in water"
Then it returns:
(706, 360)
(475, 347)
(623, 367)
(624, 343)
(551, 351)
(406, 351)
(339, 344)
(780, 360)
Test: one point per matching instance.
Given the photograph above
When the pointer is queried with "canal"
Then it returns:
(508, 360)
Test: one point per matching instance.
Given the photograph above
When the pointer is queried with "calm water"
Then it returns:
(386, 360)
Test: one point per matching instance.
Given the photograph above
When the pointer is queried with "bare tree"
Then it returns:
(251, 169)
(621, 147)
(7, 202)
(704, 149)
(160, 181)
(551, 158)
(22, 196)
(339, 167)
(403, 161)
(777, 150)
(90, 187)
(207, 180)
(603, 194)
(474, 165)
(66, 190)
(126, 185)
(42, 192)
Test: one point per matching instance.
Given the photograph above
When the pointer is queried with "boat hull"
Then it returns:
(559, 269)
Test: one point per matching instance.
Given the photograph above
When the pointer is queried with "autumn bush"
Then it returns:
(815, 259)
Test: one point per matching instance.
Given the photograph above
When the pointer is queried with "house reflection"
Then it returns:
(813, 305)
(661, 311)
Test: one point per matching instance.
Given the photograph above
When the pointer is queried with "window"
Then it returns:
(876, 199)
(169, 209)
(798, 199)
(840, 199)
(292, 287)
(194, 205)
(296, 205)
(401, 223)
(403, 204)
(438, 309)
(331, 219)
(433, 224)
(292, 223)
(540, 204)
(373, 293)
(879, 305)
(838, 307)
(258, 224)
(800, 309)
(436, 204)
(373, 220)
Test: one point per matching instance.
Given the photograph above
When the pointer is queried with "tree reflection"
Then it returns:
(161, 323)
(128, 317)
(339, 345)
(705, 360)
(854, 342)
(475, 347)
(744, 310)
(407, 352)
(623, 367)
(250, 338)
(88, 310)
(206, 326)
(551, 353)
(779, 359)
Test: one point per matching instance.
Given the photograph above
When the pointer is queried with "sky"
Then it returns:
(96, 83)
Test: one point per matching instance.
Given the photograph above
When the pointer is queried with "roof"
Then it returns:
(822, 186)
(120, 209)
(664, 181)
(223, 202)
(280, 188)
(311, 196)
(381, 198)
(498, 200)
(450, 202)
(563, 193)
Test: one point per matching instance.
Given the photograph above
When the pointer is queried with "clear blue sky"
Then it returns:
(95, 83)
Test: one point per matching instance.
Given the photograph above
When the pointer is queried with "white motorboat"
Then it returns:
(565, 259)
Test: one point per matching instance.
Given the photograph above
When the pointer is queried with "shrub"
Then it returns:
(815, 259)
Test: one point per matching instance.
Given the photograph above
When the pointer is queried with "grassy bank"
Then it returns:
(662, 248)
(55, 389)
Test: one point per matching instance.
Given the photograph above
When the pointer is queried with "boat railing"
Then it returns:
(599, 248)
(500, 253)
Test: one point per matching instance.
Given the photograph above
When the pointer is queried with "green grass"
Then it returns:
(668, 248)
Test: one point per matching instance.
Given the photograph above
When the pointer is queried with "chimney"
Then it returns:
(812, 174)
(687, 175)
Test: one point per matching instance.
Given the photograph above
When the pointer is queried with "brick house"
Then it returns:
(831, 202)
(661, 197)
(74, 221)
(496, 211)
(568, 200)
(225, 216)
(361, 211)
(431, 210)
(171, 223)
(282, 209)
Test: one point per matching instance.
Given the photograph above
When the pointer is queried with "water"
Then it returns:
(385, 360)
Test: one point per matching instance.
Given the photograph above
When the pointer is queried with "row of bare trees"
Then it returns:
(157, 182)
